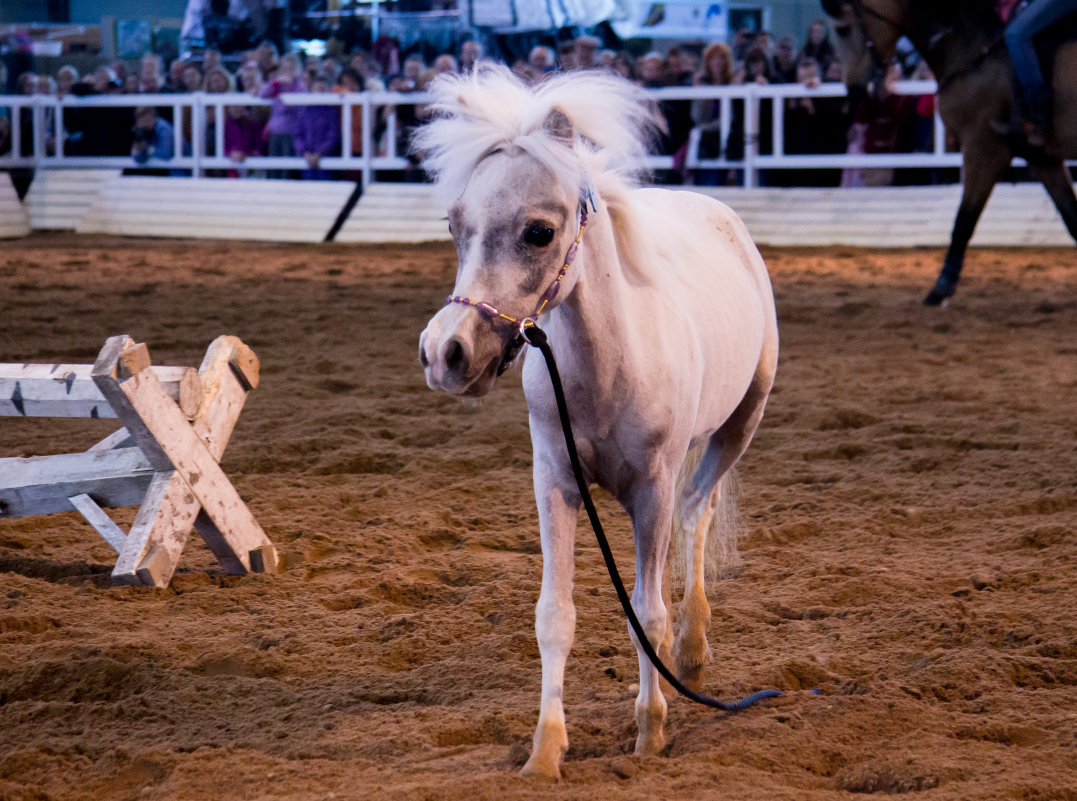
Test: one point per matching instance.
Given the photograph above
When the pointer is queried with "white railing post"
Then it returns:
(751, 134)
(61, 132)
(37, 117)
(725, 124)
(390, 133)
(198, 132)
(218, 130)
(777, 129)
(691, 159)
(16, 131)
(368, 141)
(346, 126)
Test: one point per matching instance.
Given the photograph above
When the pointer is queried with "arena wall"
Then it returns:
(306, 211)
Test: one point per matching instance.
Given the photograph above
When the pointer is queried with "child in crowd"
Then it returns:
(283, 120)
(317, 133)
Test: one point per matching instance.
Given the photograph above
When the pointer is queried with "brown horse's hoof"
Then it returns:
(936, 298)
(940, 293)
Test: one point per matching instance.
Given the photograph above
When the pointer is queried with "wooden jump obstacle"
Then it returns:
(177, 423)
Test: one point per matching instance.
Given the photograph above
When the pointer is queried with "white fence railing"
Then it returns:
(47, 115)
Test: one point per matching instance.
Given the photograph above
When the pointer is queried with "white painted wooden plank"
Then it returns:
(179, 231)
(193, 216)
(58, 199)
(120, 438)
(279, 211)
(97, 518)
(13, 220)
(68, 390)
(43, 484)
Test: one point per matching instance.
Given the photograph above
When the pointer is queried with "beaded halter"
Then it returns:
(492, 313)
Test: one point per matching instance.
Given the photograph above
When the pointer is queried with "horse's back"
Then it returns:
(719, 284)
(718, 239)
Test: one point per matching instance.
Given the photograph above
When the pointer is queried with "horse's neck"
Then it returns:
(593, 318)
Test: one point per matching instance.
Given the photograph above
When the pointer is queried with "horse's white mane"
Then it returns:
(612, 120)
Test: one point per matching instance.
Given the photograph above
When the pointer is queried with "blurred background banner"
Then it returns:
(681, 19)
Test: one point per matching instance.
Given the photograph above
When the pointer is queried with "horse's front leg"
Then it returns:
(985, 159)
(555, 615)
(652, 517)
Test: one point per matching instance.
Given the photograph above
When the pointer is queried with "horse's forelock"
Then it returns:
(474, 114)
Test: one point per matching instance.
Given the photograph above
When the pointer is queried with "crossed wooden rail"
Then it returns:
(177, 423)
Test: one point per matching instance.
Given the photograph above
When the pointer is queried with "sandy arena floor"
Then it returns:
(910, 500)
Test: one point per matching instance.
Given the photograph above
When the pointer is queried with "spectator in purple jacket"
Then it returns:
(283, 120)
(317, 134)
(242, 137)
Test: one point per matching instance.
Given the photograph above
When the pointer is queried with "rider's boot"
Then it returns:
(1037, 117)
(1026, 131)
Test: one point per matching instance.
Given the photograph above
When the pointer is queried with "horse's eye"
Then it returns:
(538, 235)
(842, 30)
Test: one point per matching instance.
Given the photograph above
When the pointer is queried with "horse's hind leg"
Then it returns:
(699, 501)
(1055, 178)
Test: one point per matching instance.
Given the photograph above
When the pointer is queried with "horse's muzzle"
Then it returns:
(460, 353)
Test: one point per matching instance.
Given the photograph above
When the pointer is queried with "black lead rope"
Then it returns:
(536, 337)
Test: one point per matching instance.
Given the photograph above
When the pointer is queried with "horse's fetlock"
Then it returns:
(650, 719)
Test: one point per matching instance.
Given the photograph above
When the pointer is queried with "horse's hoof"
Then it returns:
(940, 294)
(541, 769)
(650, 746)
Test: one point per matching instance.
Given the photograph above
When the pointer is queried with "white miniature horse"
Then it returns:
(662, 320)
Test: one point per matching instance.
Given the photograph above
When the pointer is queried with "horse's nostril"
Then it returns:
(455, 358)
(425, 362)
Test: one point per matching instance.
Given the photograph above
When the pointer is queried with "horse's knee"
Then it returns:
(555, 623)
(655, 624)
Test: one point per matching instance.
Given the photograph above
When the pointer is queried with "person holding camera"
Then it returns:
(153, 140)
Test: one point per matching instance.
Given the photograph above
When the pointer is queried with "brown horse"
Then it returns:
(962, 43)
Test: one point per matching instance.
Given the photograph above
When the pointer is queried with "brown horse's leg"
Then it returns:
(985, 159)
(1056, 180)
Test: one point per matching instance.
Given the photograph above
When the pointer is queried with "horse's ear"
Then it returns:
(834, 7)
(558, 125)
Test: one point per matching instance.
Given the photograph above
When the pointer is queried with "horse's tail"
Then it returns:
(721, 557)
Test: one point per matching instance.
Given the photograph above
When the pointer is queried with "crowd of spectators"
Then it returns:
(883, 122)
